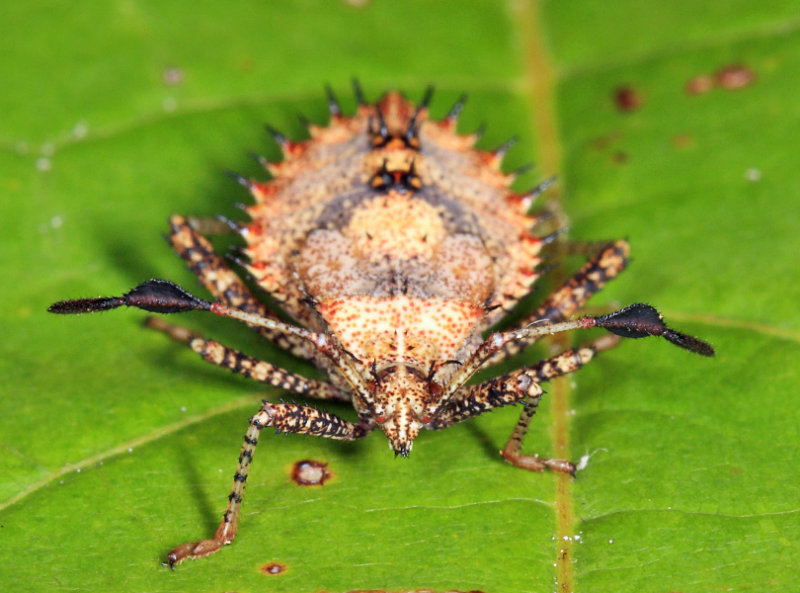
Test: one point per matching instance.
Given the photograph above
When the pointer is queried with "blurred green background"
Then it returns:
(117, 444)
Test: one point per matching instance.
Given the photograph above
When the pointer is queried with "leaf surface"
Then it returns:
(118, 444)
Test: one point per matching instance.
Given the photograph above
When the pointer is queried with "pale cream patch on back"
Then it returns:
(401, 328)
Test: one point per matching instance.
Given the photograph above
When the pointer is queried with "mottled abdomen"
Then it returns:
(394, 284)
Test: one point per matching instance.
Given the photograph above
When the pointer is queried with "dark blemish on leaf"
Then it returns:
(619, 157)
(698, 85)
(310, 473)
(735, 77)
(273, 568)
(627, 99)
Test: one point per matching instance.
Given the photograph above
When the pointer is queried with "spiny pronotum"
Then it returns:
(394, 244)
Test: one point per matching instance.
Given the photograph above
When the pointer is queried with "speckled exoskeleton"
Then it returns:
(394, 244)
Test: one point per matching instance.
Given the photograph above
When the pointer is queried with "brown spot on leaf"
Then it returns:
(273, 568)
(682, 141)
(620, 157)
(735, 77)
(697, 85)
(310, 473)
(627, 98)
(605, 141)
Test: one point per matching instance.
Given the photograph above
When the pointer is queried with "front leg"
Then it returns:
(562, 364)
(284, 418)
(523, 386)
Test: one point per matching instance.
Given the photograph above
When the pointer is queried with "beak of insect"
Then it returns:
(401, 425)
(401, 407)
(401, 430)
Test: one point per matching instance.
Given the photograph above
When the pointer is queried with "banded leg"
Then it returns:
(284, 418)
(225, 284)
(563, 364)
(607, 263)
(252, 368)
(523, 386)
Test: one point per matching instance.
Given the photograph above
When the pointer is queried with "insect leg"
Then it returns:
(162, 296)
(252, 368)
(561, 364)
(224, 284)
(284, 418)
(523, 386)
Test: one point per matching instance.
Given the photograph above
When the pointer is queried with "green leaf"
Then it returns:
(118, 444)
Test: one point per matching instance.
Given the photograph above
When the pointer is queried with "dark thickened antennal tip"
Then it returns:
(634, 321)
(690, 343)
(77, 306)
(162, 296)
(640, 320)
(156, 296)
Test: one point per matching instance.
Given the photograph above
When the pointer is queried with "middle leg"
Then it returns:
(252, 368)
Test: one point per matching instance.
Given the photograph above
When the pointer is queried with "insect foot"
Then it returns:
(194, 550)
(388, 245)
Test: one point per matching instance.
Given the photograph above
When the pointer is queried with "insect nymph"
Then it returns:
(393, 244)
